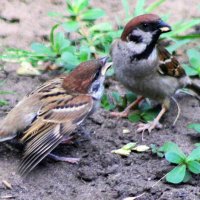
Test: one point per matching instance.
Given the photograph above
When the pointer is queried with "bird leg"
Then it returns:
(64, 159)
(126, 112)
(67, 140)
(156, 122)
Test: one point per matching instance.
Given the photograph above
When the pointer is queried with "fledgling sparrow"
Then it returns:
(147, 68)
(48, 115)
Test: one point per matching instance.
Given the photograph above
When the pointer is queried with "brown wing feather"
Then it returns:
(55, 119)
(169, 64)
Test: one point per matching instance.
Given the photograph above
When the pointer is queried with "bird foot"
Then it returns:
(142, 127)
(64, 159)
(119, 114)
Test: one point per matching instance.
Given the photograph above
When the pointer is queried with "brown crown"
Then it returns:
(81, 78)
(146, 18)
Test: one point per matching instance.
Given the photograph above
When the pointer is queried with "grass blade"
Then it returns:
(154, 5)
(139, 9)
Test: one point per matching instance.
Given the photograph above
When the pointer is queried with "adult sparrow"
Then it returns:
(48, 115)
(146, 68)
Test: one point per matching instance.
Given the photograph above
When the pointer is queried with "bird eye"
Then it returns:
(145, 25)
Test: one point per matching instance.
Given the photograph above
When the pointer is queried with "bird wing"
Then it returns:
(169, 65)
(55, 119)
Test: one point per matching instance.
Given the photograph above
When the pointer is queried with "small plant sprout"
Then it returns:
(186, 165)
(76, 36)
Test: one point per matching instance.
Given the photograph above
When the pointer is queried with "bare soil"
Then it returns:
(100, 175)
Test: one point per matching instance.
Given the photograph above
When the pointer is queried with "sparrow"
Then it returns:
(147, 68)
(48, 115)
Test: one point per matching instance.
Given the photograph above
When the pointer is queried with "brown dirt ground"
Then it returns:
(100, 175)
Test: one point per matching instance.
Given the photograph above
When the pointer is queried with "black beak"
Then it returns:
(164, 27)
(104, 60)
(105, 65)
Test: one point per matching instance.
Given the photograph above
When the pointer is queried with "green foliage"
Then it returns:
(77, 36)
(3, 102)
(186, 165)
(195, 127)
(62, 49)
(143, 113)
(193, 69)
(3, 92)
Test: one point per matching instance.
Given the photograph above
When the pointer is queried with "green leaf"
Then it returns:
(131, 97)
(60, 43)
(187, 176)
(101, 27)
(134, 117)
(194, 166)
(197, 144)
(70, 26)
(81, 5)
(194, 155)
(190, 71)
(93, 14)
(69, 59)
(174, 157)
(154, 148)
(70, 7)
(194, 58)
(52, 33)
(117, 98)
(149, 115)
(106, 104)
(172, 147)
(42, 49)
(176, 175)
(195, 127)
(3, 102)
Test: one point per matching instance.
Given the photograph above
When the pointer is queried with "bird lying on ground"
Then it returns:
(48, 115)
(147, 68)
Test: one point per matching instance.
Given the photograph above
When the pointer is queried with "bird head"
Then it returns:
(144, 29)
(87, 77)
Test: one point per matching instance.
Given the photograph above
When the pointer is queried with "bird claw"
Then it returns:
(64, 159)
(148, 127)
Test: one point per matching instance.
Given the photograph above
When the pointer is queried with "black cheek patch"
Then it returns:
(135, 38)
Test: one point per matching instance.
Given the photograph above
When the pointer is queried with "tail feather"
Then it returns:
(195, 87)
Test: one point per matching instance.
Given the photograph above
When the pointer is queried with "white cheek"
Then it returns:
(146, 36)
(136, 47)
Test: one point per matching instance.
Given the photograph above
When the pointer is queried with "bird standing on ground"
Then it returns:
(147, 68)
(46, 117)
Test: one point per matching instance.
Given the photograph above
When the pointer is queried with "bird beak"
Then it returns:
(105, 68)
(105, 65)
(164, 27)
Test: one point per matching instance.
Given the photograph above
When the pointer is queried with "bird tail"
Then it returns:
(195, 87)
